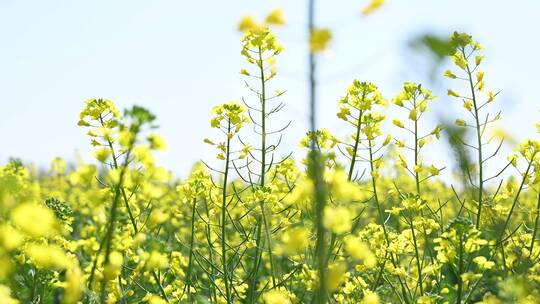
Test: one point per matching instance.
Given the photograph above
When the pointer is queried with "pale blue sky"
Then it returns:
(179, 58)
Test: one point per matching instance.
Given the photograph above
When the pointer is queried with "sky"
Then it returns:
(180, 58)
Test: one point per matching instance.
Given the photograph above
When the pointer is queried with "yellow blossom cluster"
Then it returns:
(380, 226)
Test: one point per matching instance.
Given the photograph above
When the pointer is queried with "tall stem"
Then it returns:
(263, 165)
(417, 179)
(514, 203)
(356, 143)
(419, 265)
(191, 244)
(224, 218)
(460, 270)
(115, 166)
(256, 263)
(112, 221)
(479, 143)
(381, 218)
(533, 239)
(316, 168)
(261, 219)
(416, 152)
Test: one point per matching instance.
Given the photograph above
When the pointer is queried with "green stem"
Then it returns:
(224, 218)
(416, 152)
(417, 179)
(34, 285)
(479, 142)
(356, 143)
(514, 203)
(333, 238)
(460, 270)
(320, 247)
(263, 119)
(256, 263)
(160, 286)
(262, 181)
(316, 169)
(533, 239)
(381, 216)
(191, 245)
(112, 221)
(419, 265)
(115, 166)
(269, 240)
(263, 164)
(210, 243)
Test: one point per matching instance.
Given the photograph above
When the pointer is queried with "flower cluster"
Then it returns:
(379, 226)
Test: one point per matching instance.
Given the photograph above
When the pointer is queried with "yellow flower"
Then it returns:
(275, 297)
(10, 238)
(48, 256)
(460, 122)
(478, 59)
(34, 219)
(295, 240)
(467, 104)
(449, 74)
(215, 122)
(153, 299)
(319, 40)
(247, 23)
(373, 6)
(156, 260)
(480, 76)
(452, 93)
(102, 154)
(413, 114)
(483, 263)
(157, 217)
(437, 131)
(275, 17)
(341, 188)
(73, 286)
(343, 112)
(98, 108)
(114, 267)
(370, 298)
(360, 251)
(302, 194)
(398, 123)
(335, 275)
(434, 170)
(460, 61)
(125, 138)
(245, 151)
(387, 140)
(157, 142)
(426, 300)
(480, 86)
(491, 96)
(5, 295)
(338, 220)
(401, 161)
